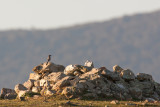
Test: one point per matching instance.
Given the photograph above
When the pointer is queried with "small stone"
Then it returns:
(36, 96)
(150, 100)
(114, 102)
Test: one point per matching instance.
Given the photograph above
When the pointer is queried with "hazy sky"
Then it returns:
(59, 13)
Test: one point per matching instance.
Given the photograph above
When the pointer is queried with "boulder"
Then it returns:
(34, 76)
(69, 70)
(50, 67)
(110, 75)
(37, 83)
(29, 84)
(89, 64)
(73, 70)
(5, 91)
(55, 76)
(136, 93)
(22, 93)
(157, 88)
(117, 69)
(36, 89)
(47, 92)
(68, 91)
(10, 96)
(90, 95)
(44, 82)
(143, 77)
(127, 75)
(19, 87)
(62, 83)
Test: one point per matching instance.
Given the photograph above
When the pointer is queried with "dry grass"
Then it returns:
(61, 102)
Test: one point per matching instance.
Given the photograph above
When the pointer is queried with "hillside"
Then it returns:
(131, 42)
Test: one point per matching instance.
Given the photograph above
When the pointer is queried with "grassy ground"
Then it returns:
(61, 102)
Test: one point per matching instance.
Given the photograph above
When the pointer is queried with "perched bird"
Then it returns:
(48, 59)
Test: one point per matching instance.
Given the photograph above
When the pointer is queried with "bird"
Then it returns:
(48, 59)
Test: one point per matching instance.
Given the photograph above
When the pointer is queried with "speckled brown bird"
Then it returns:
(48, 59)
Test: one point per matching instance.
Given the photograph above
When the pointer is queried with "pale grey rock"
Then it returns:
(44, 82)
(143, 77)
(62, 83)
(69, 70)
(89, 63)
(117, 69)
(37, 83)
(34, 76)
(127, 75)
(22, 93)
(29, 84)
(19, 87)
(55, 76)
(36, 89)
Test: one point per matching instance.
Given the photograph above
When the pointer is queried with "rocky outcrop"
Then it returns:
(85, 81)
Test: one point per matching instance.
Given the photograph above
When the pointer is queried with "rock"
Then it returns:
(69, 70)
(82, 69)
(136, 93)
(37, 83)
(143, 77)
(5, 91)
(22, 94)
(127, 75)
(19, 87)
(110, 75)
(155, 96)
(114, 102)
(157, 88)
(149, 100)
(90, 95)
(44, 82)
(47, 92)
(29, 84)
(50, 67)
(117, 69)
(36, 96)
(68, 91)
(62, 83)
(130, 104)
(72, 70)
(10, 96)
(36, 89)
(50, 92)
(55, 76)
(34, 76)
(89, 64)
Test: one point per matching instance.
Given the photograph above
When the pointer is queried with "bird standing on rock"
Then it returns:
(48, 59)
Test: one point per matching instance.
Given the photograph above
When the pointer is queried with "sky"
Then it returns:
(47, 14)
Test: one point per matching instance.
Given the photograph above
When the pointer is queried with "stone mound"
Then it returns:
(78, 81)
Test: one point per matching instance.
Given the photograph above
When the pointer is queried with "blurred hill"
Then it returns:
(130, 41)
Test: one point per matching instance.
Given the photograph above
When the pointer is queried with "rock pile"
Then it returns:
(86, 81)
